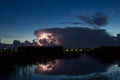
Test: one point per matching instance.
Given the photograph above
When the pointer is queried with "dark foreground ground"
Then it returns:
(33, 53)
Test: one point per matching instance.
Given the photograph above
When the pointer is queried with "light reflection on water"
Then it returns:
(82, 65)
(48, 67)
(83, 68)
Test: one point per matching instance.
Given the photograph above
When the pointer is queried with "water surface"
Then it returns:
(84, 67)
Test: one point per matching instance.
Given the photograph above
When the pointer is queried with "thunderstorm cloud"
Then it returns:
(74, 37)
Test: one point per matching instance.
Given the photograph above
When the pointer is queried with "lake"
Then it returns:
(83, 68)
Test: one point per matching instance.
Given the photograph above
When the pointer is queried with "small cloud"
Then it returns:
(97, 20)
(73, 23)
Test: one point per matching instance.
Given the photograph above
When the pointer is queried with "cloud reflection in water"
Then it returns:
(45, 68)
(79, 66)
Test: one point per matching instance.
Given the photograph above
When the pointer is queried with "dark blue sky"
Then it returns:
(19, 18)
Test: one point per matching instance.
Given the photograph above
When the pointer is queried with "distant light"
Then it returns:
(80, 50)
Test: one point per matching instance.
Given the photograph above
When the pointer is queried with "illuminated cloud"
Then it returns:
(46, 38)
(74, 37)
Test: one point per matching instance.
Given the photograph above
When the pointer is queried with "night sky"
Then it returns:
(20, 18)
